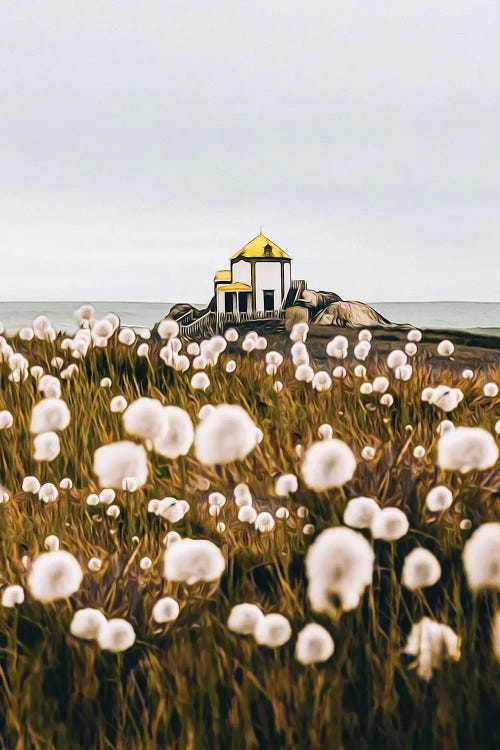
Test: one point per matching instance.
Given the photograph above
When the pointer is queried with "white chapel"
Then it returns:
(258, 281)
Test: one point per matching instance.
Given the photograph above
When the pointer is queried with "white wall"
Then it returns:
(242, 272)
(267, 276)
(288, 277)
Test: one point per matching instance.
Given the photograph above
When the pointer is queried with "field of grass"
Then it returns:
(193, 683)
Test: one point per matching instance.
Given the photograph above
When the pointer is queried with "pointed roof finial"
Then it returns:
(260, 228)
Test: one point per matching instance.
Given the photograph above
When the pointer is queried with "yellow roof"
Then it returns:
(255, 249)
(222, 276)
(236, 286)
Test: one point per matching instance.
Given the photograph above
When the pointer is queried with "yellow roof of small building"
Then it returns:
(236, 286)
(255, 249)
(222, 276)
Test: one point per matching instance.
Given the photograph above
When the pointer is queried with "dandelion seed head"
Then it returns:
(339, 564)
(12, 595)
(272, 631)
(328, 463)
(431, 643)
(47, 446)
(360, 512)
(420, 569)
(286, 484)
(117, 461)
(467, 448)
(445, 348)
(438, 499)
(116, 635)
(86, 623)
(193, 560)
(48, 492)
(31, 484)
(227, 434)
(166, 609)
(243, 618)
(481, 556)
(314, 644)
(390, 524)
(54, 575)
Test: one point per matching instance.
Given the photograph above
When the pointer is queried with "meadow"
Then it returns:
(408, 649)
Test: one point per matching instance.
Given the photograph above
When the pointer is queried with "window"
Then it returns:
(243, 302)
(268, 250)
(229, 302)
(268, 299)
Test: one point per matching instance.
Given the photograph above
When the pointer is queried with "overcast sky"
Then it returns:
(144, 141)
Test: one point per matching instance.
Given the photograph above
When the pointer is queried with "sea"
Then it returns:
(480, 317)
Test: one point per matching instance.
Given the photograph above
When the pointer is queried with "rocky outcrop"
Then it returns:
(349, 315)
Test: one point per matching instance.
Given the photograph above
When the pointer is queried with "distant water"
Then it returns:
(478, 316)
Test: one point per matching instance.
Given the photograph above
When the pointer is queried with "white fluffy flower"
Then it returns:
(264, 522)
(6, 420)
(54, 575)
(439, 499)
(360, 371)
(411, 349)
(339, 372)
(200, 381)
(172, 510)
(193, 560)
(467, 374)
(48, 492)
(321, 381)
(386, 399)
(339, 564)
(396, 358)
(420, 569)
(490, 390)
(51, 542)
(443, 397)
(325, 431)
(247, 514)
(414, 335)
(116, 635)
(227, 434)
(419, 451)
(380, 384)
(231, 334)
(47, 446)
(390, 524)
(94, 564)
(117, 461)
(31, 484)
(368, 453)
(431, 643)
(286, 484)
(403, 372)
(230, 366)
(481, 557)
(362, 350)
(328, 463)
(366, 389)
(144, 418)
(467, 448)
(445, 348)
(177, 433)
(337, 347)
(86, 623)
(118, 404)
(272, 631)
(444, 426)
(360, 512)
(304, 373)
(50, 386)
(166, 609)
(282, 513)
(243, 618)
(12, 595)
(51, 414)
(126, 336)
(314, 644)
(168, 328)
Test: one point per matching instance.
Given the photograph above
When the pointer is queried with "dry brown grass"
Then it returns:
(194, 684)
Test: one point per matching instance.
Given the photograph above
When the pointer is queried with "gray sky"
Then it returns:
(142, 143)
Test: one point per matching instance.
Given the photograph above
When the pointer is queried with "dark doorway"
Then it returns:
(268, 299)
(229, 302)
(243, 302)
